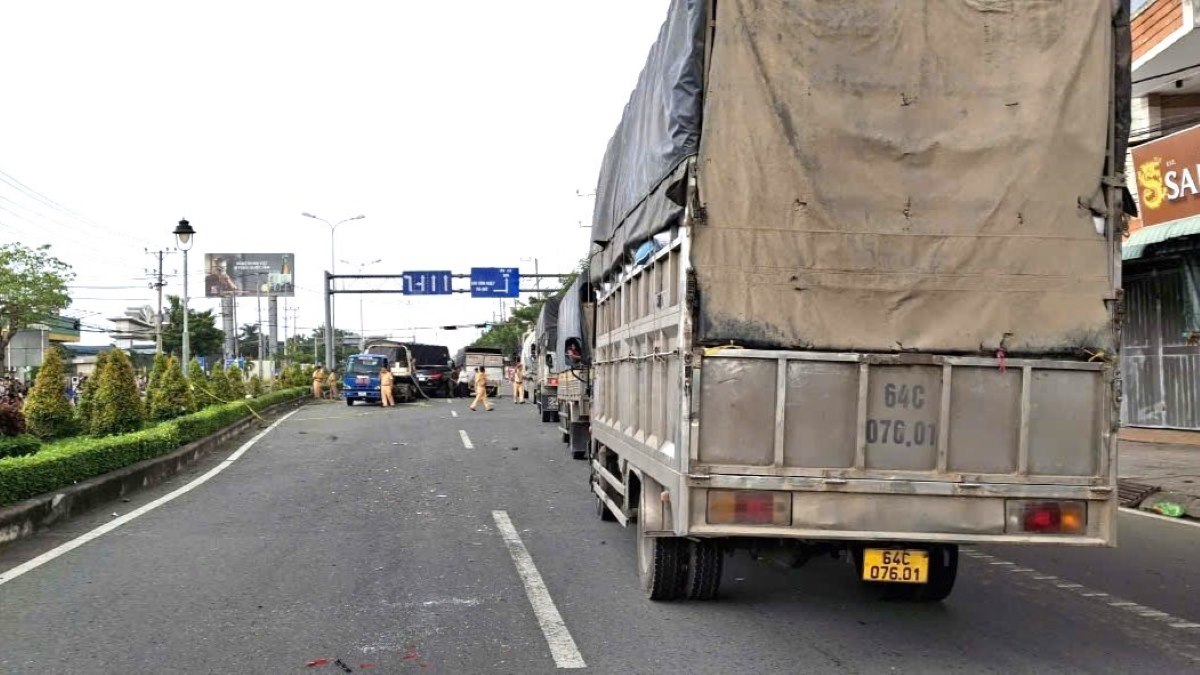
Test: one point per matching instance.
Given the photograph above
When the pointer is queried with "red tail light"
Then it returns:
(554, 382)
(1047, 517)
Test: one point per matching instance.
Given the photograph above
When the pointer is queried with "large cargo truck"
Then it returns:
(545, 340)
(573, 358)
(857, 286)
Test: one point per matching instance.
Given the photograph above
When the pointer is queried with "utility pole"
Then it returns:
(158, 284)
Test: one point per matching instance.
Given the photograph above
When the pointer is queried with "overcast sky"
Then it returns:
(462, 130)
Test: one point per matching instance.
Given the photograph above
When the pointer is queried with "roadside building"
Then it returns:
(1160, 359)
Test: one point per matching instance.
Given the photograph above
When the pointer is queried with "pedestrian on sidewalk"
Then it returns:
(387, 396)
(481, 381)
(318, 381)
(518, 382)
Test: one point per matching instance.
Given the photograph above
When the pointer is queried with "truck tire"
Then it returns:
(705, 562)
(349, 401)
(566, 437)
(662, 565)
(547, 416)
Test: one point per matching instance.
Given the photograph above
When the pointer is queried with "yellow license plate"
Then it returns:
(896, 566)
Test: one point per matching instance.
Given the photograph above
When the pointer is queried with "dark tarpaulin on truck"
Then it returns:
(546, 330)
(659, 130)
(571, 324)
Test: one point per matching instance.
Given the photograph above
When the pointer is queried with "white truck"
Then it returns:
(857, 287)
(470, 359)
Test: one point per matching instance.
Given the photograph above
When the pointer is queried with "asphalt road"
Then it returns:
(369, 535)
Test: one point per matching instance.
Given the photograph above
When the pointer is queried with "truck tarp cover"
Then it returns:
(883, 174)
(570, 321)
(908, 174)
(659, 129)
(546, 330)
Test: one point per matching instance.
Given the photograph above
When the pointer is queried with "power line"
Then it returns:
(1166, 74)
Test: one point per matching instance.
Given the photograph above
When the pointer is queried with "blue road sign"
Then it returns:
(495, 282)
(427, 283)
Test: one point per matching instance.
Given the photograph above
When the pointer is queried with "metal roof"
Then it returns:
(1136, 244)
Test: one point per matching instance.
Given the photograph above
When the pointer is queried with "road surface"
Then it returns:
(376, 537)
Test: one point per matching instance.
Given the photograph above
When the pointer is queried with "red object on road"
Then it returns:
(317, 662)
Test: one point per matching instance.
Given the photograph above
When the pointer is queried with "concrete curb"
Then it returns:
(33, 515)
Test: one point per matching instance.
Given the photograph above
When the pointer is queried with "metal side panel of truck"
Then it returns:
(860, 293)
(724, 445)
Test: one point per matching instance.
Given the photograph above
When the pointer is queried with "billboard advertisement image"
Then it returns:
(249, 274)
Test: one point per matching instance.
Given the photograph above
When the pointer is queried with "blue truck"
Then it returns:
(361, 381)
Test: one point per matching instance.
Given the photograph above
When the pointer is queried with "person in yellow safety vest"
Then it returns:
(318, 380)
(518, 382)
(481, 381)
(387, 397)
(331, 381)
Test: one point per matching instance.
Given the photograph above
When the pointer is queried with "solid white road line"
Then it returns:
(562, 645)
(466, 440)
(46, 557)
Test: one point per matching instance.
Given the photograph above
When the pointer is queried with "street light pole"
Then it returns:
(362, 326)
(329, 313)
(183, 235)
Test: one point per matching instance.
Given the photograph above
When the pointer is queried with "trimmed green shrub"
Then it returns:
(87, 393)
(172, 398)
(237, 383)
(48, 412)
(256, 386)
(12, 420)
(19, 446)
(218, 383)
(155, 381)
(118, 405)
(198, 383)
(71, 460)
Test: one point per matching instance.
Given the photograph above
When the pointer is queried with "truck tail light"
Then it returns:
(749, 507)
(1046, 517)
(554, 382)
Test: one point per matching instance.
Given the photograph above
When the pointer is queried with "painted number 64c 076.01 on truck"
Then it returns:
(903, 416)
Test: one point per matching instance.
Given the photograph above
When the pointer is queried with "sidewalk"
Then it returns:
(1165, 459)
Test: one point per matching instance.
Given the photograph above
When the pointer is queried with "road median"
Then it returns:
(75, 475)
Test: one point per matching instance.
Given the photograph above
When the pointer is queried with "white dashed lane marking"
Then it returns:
(1085, 592)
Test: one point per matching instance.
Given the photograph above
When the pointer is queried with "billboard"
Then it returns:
(249, 274)
(1168, 177)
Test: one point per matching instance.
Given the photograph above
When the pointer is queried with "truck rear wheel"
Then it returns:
(349, 401)
(705, 562)
(548, 416)
(662, 564)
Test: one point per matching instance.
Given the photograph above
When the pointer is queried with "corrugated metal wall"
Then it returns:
(1160, 370)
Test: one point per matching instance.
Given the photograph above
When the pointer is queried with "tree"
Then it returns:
(87, 392)
(218, 384)
(237, 383)
(248, 341)
(173, 397)
(117, 408)
(204, 338)
(256, 386)
(33, 287)
(507, 336)
(155, 381)
(48, 412)
(199, 385)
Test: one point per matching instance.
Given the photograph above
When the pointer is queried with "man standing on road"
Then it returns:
(481, 382)
(386, 395)
(518, 382)
(318, 380)
(332, 382)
